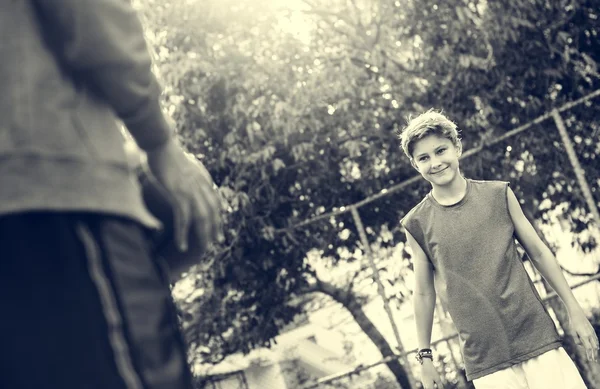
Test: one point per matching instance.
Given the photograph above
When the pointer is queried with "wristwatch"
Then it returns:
(424, 353)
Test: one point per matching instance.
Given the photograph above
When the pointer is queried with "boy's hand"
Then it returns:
(583, 333)
(189, 186)
(429, 376)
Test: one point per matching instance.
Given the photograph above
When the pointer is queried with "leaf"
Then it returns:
(272, 87)
(226, 192)
(278, 165)
(555, 73)
(590, 62)
(229, 139)
(267, 153)
(519, 22)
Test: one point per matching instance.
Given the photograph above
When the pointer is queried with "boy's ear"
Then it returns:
(414, 164)
(459, 148)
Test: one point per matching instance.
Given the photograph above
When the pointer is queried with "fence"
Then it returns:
(410, 353)
(402, 355)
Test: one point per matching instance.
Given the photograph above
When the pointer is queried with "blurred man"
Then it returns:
(84, 304)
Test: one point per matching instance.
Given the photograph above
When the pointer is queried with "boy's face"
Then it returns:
(436, 158)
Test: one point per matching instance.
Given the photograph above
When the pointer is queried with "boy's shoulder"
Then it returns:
(417, 209)
(492, 187)
(489, 186)
(489, 183)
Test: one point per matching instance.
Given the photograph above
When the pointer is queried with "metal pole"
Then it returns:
(360, 368)
(579, 172)
(365, 242)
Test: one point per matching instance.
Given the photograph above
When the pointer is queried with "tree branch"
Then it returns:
(311, 287)
(358, 13)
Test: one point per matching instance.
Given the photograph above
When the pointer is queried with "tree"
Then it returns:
(243, 140)
(295, 124)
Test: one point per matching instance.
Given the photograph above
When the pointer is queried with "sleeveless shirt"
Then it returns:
(480, 278)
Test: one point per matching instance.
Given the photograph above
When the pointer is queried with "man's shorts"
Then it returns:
(552, 370)
(85, 305)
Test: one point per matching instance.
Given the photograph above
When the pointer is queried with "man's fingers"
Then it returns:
(207, 217)
(181, 224)
(215, 204)
(587, 344)
(199, 208)
(594, 338)
(588, 349)
(592, 347)
(219, 216)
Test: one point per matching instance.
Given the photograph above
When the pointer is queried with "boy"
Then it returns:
(462, 239)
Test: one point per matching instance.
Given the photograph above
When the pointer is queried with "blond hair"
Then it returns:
(428, 123)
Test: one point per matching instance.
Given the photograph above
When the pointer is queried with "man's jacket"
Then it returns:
(70, 71)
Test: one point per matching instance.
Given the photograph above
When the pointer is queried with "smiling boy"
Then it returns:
(462, 237)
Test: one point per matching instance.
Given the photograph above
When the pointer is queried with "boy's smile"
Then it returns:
(440, 171)
(436, 158)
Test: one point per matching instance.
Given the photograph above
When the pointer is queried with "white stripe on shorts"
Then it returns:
(109, 306)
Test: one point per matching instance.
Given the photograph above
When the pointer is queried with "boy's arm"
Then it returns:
(424, 307)
(103, 41)
(424, 294)
(544, 261)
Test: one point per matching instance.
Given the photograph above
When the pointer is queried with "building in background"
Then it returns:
(301, 355)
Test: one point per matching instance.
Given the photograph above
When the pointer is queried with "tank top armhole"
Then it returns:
(505, 186)
(418, 239)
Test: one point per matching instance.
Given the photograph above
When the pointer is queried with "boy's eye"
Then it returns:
(440, 151)
(422, 159)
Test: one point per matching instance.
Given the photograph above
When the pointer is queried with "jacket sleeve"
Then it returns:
(103, 42)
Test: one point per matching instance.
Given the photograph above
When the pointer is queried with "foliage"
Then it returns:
(294, 122)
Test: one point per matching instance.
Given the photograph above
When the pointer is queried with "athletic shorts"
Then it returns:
(552, 370)
(84, 305)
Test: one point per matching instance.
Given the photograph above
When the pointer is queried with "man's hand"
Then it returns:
(583, 333)
(429, 375)
(189, 188)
